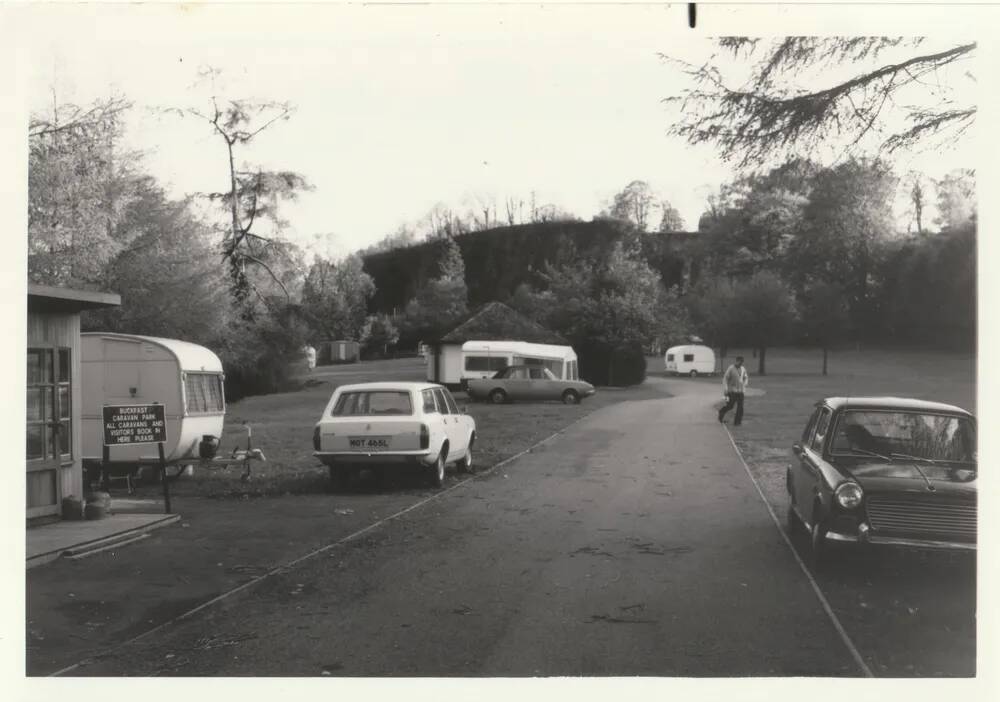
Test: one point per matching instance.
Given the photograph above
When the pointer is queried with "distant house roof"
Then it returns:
(495, 321)
(46, 298)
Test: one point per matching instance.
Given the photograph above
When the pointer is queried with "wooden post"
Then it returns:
(105, 460)
(163, 477)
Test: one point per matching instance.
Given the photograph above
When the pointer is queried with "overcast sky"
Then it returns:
(399, 108)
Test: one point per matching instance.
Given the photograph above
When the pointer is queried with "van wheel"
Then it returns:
(693, 374)
(498, 397)
(570, 398)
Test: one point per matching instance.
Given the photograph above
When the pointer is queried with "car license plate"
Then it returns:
(369, 443)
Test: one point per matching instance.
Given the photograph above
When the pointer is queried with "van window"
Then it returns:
(485, 363)
(203, 392)
(688, 357)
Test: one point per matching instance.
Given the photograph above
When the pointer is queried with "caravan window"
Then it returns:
(688, 357)
(670, 357)
(485, 363)
(204, 393)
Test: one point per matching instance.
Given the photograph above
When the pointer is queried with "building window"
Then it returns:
(485, 363)
(49, 404)
(204, 393)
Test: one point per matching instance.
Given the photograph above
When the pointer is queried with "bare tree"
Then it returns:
(253, 194)
(769, 114)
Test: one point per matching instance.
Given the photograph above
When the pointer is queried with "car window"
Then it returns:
(518, 374)
(821, 426)
(373, 402)
(934, 437)
(452, 405)
(430, 406)
(810, 427)
(538, 374)
(442, 403)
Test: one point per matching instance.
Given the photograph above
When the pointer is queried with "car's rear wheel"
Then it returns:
(498, 396)
(435, 474)
(570, 397)
(465, 465)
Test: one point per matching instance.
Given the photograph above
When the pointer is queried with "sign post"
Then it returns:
(138, 424)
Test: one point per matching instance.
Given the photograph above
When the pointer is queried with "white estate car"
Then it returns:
(411, 425)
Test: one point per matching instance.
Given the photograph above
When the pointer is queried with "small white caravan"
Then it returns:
(690, 359)
(482, 359)
(123, 369)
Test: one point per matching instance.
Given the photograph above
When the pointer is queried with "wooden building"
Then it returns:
(53, 447)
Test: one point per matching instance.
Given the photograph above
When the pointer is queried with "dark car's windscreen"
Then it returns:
(373, 402)
(935, 437)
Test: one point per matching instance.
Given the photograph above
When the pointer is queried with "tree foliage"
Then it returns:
(894, 98)
(81, 180)
(443, 301)
(956, 199)
(824, 316)
(335, 298)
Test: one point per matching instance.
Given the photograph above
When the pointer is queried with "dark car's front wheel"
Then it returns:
(498, 397)
(570, 398)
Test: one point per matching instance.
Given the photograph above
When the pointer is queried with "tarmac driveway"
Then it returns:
(633, 544)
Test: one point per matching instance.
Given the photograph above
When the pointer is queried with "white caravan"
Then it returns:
(691, 359)
(123, 369)
(482, 359)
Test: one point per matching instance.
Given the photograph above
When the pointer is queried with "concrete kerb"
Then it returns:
(282, 569)
(852, 649)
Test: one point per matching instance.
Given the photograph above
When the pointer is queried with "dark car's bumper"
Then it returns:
(864, 536)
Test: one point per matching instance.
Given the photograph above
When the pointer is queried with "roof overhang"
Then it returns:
(47, 298)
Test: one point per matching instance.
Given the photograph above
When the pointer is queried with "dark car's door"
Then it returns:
(807, 477)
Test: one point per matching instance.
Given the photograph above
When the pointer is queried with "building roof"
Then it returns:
(495, 321)
(48, 298)
(892, 403)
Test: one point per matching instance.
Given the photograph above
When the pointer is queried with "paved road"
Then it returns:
(633, 544)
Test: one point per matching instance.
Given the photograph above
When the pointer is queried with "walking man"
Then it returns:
(734, 384)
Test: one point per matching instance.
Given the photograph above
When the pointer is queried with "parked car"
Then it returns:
(885, 471)
(528, 383)
(410, 426)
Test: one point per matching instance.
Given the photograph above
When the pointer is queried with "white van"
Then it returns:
(123, 369)
(482, 359)
(691, 359)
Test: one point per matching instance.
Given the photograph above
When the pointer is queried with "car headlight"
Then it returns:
(849, 495)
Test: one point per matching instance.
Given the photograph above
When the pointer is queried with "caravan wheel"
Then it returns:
(693, 374)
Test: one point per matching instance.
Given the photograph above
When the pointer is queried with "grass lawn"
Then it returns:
(283, 424)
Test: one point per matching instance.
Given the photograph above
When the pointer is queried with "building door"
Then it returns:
(48, 428)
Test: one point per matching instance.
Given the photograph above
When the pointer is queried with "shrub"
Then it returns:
(605, 364)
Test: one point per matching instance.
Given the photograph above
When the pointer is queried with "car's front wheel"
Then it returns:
(498, 397)
(570, 397)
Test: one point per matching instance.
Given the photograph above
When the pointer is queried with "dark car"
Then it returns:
(528, 383)
(885, 471)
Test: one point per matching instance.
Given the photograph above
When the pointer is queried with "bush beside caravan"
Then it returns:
(691, 359)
